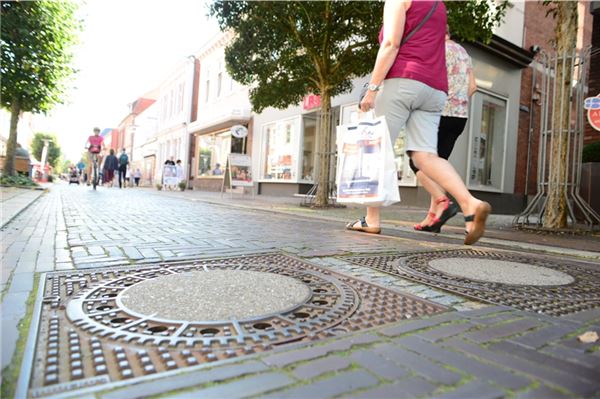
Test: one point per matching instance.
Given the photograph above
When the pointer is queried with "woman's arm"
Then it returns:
(472, 83)
(394, 17)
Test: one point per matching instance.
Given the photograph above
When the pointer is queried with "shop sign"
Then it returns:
(592, 104)
(239, 131)
(239, 170)
(311, 101)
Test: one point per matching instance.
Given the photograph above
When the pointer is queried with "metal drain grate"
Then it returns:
(580, 293)
(87, 337)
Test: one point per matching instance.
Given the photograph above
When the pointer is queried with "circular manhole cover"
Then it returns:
(215, 295)
(500, 271)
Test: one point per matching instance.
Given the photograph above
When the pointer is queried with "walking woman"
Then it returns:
(412, 83)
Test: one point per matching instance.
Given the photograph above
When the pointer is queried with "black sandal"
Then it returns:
(364, 227)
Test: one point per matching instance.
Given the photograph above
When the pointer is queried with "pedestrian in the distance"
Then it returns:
(123, 163)
(461, 86)
(413, 81)
(111, 163)
(180, 176)
(137, 175)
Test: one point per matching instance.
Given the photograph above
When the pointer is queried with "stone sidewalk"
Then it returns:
(473, 351)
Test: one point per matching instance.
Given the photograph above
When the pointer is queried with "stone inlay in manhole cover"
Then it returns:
(576, 288)
(500, 271)
(95, 328)
(215, 295)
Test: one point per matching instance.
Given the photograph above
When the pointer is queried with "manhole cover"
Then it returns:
(500, 271)
(214, 295)
(96, 327)
(523, 282)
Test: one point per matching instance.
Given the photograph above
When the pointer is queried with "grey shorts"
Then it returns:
(414, 106)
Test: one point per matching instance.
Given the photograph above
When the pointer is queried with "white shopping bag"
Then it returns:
(366, 171)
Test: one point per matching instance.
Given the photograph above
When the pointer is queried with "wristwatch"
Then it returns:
(373, 87)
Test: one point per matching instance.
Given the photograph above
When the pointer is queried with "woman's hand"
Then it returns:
(368, 101)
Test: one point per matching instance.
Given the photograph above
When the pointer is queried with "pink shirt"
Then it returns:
(423, 56)
(95, 143)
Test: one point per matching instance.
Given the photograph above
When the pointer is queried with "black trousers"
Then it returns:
(122, 174)
(450, 128)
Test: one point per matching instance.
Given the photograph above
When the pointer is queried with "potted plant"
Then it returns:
(159, 186)
(182, 185)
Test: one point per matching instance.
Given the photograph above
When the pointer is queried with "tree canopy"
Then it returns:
(36, 41)
(37, 146)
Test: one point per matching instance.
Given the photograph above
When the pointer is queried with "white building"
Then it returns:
(143, 154)
(222, 103)
(174, 108)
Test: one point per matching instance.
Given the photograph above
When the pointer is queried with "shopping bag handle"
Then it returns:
(370, 114)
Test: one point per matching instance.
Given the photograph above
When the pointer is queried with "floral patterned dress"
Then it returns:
(459, 66)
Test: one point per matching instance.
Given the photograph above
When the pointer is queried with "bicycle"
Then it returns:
(94, 176)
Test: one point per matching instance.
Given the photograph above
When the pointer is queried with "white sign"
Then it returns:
(240, 170)
(239, 131)
(170, 175)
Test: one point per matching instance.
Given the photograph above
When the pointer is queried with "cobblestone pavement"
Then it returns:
(475, 351)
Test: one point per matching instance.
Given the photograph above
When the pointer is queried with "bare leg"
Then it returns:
(436, 192)
(372, 218)
(441, 171)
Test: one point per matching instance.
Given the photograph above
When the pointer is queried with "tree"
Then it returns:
(36, 40)
(565, 32)
(37, 146)
(285, 50)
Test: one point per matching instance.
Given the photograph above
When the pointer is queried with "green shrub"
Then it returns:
(591, 152)
(18, 180)
(159, 186)
(182, 185)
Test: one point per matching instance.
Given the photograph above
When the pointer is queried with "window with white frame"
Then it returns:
(219, 82)
(280, 150)
(487, 142)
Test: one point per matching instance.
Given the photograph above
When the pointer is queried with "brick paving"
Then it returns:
(474, 351)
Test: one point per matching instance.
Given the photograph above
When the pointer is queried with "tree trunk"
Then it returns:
(324, 149)
(11, 146)
(555, 216)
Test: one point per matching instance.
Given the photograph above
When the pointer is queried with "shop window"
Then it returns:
(487, 142)
(280, 153)
(213, 150)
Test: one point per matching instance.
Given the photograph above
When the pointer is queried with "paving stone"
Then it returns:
(479, 369)
(572, 355)
(312, 352)
(548, 361)
(405, 389)
(440, 333)
(585, 316)
(14, 304)
(414, 325)
(417, 364)
(542, 392)
(568, 381)
(485, 311)
(244, 388)
(378, 365)
(504, 330)
(543, 336)
(331, 387)
(495, 319)
(186, 380)
(474, 389)
(321, 366)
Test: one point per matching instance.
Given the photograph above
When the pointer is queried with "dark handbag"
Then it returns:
(365, 88)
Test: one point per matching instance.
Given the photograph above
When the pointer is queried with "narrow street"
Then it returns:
(133, 251)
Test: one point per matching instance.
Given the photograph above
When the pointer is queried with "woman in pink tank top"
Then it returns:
(412, 83)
